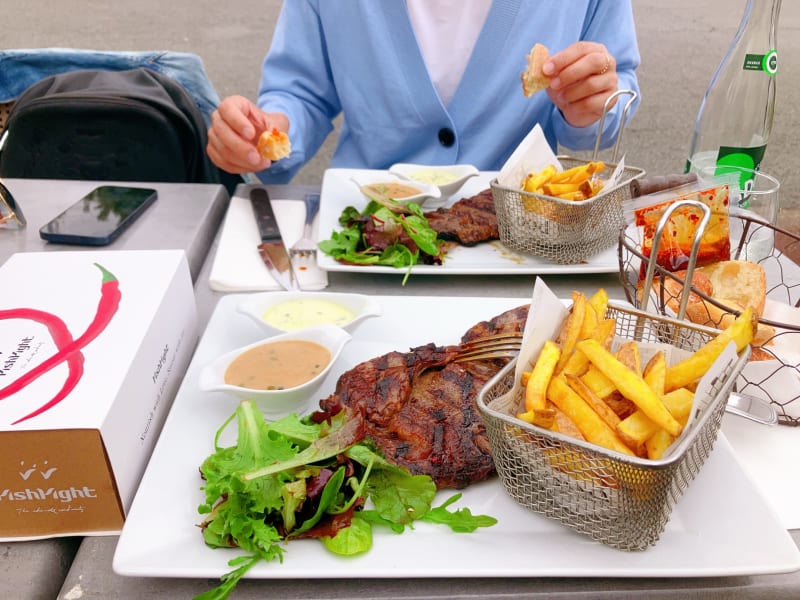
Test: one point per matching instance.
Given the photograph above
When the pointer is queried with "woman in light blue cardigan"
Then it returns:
(429, 82)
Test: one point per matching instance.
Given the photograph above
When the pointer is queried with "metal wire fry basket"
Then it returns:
(563, 231)
(783, 285)
(620, 501)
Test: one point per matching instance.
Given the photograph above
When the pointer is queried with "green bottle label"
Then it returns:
(762, 62)
(745, 158)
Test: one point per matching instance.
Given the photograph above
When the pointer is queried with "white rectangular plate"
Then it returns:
(721, 526)
(492, 258)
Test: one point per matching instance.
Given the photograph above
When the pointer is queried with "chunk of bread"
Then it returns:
(735, 284)
(533, 78)
(743, 281)
(274, 144)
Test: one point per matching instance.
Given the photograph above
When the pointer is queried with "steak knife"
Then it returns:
(272, 249)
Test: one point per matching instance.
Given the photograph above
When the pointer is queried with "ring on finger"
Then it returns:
(607, 65)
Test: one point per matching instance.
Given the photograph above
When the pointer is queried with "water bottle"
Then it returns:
(735, 118)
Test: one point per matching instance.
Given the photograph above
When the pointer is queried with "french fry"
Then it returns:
(596, 166)
(572, 328)
(559, 189)
(573, 196)
(630, 384)
(589, 189)
(536, 387)
(593, 428)
(573, 175)
(563, 424)
(599, 302)
(687, 371)
(601, 386)
(589, 322)
(655, 373)
(628, 355)
(579, 173)
(578, 364)
(543, 417)
(620, 404)
(603, 410)
(636, 429)
(533, 181)
(658, 444)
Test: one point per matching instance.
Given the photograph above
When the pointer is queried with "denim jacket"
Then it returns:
(20, 69)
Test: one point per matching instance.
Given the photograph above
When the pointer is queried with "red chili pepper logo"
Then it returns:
(68, 349)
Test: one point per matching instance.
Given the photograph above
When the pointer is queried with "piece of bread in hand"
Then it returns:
(533, 78)
(274, 144)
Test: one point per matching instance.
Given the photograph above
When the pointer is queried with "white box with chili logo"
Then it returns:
(93, 347)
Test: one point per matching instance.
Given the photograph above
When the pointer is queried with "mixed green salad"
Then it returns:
(296, 478)
(387, 233)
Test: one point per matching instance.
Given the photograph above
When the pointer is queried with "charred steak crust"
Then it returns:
(420, 409)
(469, 221)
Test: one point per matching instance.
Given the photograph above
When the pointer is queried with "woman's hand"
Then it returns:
(235, 128)
(583, 76)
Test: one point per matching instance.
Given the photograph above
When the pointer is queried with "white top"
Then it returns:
(446, 32)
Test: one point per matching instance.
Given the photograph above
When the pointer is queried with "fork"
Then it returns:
(306, 247)
(501, 345)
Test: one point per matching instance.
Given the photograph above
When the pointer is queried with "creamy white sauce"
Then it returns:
(306, 312)
(434, 176)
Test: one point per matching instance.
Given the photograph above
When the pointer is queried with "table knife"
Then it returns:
(272, 249)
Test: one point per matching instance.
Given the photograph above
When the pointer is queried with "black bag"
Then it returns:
(134, 125)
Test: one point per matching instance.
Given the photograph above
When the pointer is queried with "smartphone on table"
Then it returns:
(100, 216)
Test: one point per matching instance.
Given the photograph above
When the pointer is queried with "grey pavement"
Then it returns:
(681, 43)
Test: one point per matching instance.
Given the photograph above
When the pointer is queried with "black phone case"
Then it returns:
(95, 240)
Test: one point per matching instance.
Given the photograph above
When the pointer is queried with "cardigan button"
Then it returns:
(446, 137)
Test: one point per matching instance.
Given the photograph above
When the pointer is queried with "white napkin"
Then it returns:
(238, 266)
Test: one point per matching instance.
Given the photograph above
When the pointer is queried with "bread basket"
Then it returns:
(777, 378)
(562, 231)
(618, 500)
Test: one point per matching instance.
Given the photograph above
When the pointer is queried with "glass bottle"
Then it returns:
(735, 118)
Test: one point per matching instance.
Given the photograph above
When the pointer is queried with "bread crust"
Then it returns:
(533, 78)
(274, 144)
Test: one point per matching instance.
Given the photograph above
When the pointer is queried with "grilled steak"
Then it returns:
(469, 221)
(420, 408)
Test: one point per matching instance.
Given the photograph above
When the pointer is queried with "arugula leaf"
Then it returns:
(460, 521)
(229, 580)
(398, 496)
(416, 225)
